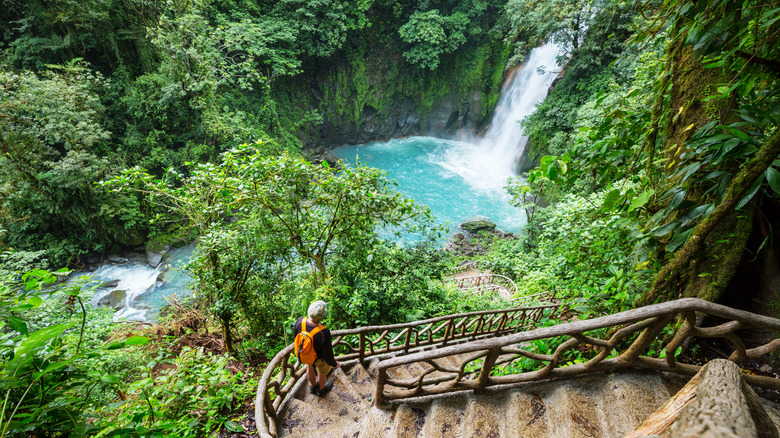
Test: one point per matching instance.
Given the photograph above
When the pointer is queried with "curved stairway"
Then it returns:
(592, 406)
(491, 374)
(472, 277)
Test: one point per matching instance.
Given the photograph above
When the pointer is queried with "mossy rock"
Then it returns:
(478, 225)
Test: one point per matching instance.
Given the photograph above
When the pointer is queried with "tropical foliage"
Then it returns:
(691, 176)
(657, 176)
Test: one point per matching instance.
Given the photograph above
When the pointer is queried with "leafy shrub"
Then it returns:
(188, 395)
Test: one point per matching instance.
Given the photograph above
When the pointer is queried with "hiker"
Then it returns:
(317, 373)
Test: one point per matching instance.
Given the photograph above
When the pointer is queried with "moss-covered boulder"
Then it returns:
(476, 226)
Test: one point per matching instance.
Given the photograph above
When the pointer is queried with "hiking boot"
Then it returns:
(314, 389)
(326, 389)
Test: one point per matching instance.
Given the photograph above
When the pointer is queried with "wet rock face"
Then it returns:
(117, 259)
(403, 118)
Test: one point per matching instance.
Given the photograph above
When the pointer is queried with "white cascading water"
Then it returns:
(487, 162)
(144, 293)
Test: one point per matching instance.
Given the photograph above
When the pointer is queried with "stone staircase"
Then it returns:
(469, 375)
(608, 405)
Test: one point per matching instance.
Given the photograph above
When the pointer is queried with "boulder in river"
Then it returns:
(153, 257)
(475, 226)
(104, 301)
(117, 259)
(109, 284)
(117, 299)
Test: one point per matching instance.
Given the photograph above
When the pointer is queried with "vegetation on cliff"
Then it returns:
(671, 138)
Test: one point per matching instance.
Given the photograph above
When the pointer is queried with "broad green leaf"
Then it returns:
(35, 301)
(552, 172)
(773, 178)
(697, 212)
(115, 346)
(233, 426)
(750, 194)
(30, 346)
(678, 239)
(677, 199)
(664, 229)
(641, 200)
(17, 324)
(736, 132)
(136, 340)
(564, 167)
(610, 200)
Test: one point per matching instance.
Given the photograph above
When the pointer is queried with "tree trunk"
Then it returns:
(667, 282)
(226, 334)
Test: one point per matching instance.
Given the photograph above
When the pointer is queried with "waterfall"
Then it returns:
(464, 179)
(523, 90)
(487, 162)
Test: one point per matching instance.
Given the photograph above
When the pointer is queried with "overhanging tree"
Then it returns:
(254, 212)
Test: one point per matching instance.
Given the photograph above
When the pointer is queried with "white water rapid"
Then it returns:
(145, 288)
(487, 162)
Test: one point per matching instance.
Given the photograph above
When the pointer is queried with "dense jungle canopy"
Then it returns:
(654, 174)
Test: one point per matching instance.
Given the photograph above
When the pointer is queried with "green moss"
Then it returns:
(709, 274)
(373, 79)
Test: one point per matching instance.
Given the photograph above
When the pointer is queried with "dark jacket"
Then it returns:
(322, 342)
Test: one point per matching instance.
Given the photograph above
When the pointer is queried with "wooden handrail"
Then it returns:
(548, 296)
(477, 281)
(482, 362)
(467, 266)
(646, 322)
(359, 344)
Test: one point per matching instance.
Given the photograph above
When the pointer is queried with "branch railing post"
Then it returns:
(379, 391)
(449, 331)
(487, 367)
(644, 340)
(362, 347)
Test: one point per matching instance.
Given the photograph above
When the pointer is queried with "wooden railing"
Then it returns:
(643, 338)
(467, 267)
(549, 296)
(484, 282)
(377, 342)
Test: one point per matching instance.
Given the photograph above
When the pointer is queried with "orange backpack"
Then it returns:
(304, 344)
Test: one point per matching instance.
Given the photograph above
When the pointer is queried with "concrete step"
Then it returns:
(630, 399)
(302, 418)
(343, 399)
(378, 423)
(485, 416)
(445, 418)
(338, 430)
(408, 422)
(361, 381)
(576, 410)
(602, 405)
(528, 414)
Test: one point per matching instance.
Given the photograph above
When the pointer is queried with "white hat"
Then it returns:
(317, 311)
